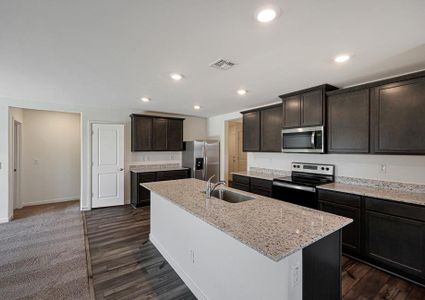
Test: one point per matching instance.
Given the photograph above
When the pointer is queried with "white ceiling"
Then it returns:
(110, 53)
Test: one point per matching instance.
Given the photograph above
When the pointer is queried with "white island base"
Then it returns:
(215, 265)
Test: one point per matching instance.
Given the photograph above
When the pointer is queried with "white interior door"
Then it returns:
(107, 165)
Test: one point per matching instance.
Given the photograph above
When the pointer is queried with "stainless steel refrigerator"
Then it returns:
(203, 158)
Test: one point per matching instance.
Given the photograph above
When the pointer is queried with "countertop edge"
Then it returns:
(372, 195)
(274, 258)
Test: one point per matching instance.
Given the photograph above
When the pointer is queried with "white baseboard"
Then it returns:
(175, 265)
(6, 220)
(50, 201)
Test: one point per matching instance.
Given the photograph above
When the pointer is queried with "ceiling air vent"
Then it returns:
(222, 64)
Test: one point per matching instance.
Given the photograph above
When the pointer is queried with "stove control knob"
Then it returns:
(327, 169)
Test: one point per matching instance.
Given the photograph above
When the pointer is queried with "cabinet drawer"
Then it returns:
(240, 179)
(241, 187)
(171, 175)
(261, 183)
(147, 177)
(340, 198)
(409, 211)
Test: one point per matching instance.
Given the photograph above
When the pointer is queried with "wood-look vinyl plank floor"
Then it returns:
(125, 266)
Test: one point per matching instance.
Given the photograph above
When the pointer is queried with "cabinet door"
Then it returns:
(291, 111)
(348, 122)
(271, 126)
(175, 135)
(396, 242)
(398, 112)
(312, 108)
(351, 232)
(141, 133)
(251, 131)
(159, 136)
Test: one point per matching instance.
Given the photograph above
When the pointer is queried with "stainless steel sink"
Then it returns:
(230, 196)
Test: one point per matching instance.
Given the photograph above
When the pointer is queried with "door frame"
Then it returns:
(10, 149)
(90, 161)
(226, 147)
(16, 162)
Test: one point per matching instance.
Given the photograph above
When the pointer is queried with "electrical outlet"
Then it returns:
(295, 275)
(192, 256)
(383, 168)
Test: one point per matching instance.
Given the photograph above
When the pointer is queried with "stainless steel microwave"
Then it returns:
(302, 140)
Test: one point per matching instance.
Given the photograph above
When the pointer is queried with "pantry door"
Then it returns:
(107, 165)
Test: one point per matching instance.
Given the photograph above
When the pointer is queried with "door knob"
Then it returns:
(121, 169)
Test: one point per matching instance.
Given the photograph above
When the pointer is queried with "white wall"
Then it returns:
(88, 114)
(400, 168)
(50, 157)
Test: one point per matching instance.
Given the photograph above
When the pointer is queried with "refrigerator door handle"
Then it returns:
(205, 162)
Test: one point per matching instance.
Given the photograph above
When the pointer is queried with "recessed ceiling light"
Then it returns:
(197, 107)
(342, 58)
(176, 76)
(241, 92)
(266, 15)
(146, 99)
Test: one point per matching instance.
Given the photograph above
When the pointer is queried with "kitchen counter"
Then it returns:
(274, 228)
(387, 194)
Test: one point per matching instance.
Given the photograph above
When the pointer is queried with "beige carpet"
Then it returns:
(42, 254)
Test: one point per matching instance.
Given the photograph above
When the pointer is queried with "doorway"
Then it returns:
(236, 158)
(45, 157)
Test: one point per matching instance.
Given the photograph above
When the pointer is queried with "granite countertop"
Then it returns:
(260, 175)
(158, 170)
(388, 194)
(272, 227)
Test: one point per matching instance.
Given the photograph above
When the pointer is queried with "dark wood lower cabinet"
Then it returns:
(254, 185)
(322, 269)
(387, 234)
(351, 232)
(141, 196)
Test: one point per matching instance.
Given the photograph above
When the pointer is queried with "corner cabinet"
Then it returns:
(348, 121)
(153, 133)
(262, 129)
(305, 108)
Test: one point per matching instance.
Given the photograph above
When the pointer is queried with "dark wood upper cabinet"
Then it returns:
(306, 107)
(312, 108)
(251, 131)
(152, 133)
(398, 111)
(159, 136)
(271, 126)
(141, 133)
(291, 111)
(175, 135)
(262, 129)
(348, 122)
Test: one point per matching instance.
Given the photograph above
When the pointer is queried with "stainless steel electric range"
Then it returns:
(300, 187)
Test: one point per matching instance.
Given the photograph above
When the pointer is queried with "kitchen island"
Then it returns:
(257, 249)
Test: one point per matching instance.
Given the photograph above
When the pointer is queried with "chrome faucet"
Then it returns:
(210, 188)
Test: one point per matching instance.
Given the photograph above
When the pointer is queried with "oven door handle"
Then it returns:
(295, 186)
